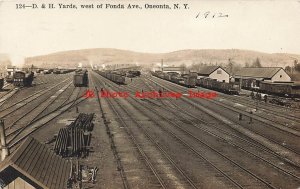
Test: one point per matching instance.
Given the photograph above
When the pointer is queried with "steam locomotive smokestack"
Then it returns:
(4, 148)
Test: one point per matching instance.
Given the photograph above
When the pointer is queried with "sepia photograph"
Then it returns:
(149, 94)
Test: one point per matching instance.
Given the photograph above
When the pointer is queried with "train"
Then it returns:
(62, 71)
(23, 79)
(186, 80)
(132, 74)
(227, 88)
(81, 78)
(286, 89)
(113, 76)
(1, 83)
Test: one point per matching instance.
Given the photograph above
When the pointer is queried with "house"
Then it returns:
(214, 72)
(251, 77)
(33, 165)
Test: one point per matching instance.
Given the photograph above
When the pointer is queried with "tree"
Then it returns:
(247, 64)
(288, 69)
(256, 63)
(296, 66)
(230, 66)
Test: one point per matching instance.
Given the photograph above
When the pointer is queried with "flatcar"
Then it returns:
(23, 79)
(1, 83)
(81, 79)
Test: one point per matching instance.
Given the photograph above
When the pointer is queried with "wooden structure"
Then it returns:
(33, 165)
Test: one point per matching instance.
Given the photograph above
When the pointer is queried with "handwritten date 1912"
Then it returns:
(209, 14)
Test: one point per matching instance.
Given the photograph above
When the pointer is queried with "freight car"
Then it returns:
(23, 79)
(81, 79)
(287, 89)
(228, 88)
(113, 76)
(1, 83)
(184, 80)
(133, 74)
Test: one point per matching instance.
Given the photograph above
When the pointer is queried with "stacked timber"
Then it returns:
(75, 139)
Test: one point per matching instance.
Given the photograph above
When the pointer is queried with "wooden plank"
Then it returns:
(23, 160)
(19, 183)
(57, 173)
(36, 160)
(44, 176)
(21, 150)
(43, 163)
(63, 179)
(32, 157)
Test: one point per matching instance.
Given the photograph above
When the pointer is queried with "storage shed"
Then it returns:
(33, 165)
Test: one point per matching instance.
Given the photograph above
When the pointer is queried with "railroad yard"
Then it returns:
(117, 141)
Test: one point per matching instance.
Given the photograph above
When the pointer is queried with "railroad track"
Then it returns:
(220, 135)
(39, 107)
(196, 152)
(289, 154)
(224, 135)
(27, 100)
(139, 145)
(112, 142)
(269, 112)
(42, 121)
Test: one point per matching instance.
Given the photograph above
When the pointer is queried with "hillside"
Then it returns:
(188, 57)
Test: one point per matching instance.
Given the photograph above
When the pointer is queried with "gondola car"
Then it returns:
(23, 79)
(280, 89)
(81, 79)
(118, 78)
(1, 83)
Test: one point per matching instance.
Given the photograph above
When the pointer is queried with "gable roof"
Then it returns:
(207, 70)
(35, 164)
(265, 72)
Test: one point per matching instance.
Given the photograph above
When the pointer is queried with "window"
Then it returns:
(280, 76)
(219, 71)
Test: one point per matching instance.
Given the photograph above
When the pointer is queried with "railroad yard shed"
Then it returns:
(214, 72)
(251, 77)
(33, 165)
(265, 74)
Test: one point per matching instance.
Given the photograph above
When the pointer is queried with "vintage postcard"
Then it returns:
(171, 94)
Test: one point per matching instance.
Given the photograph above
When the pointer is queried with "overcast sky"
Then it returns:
(267, 26)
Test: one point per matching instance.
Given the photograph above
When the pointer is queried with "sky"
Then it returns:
(271, 26)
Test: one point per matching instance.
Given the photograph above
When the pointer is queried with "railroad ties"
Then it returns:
(75, 139)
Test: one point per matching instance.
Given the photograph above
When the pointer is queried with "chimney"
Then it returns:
(4, 148)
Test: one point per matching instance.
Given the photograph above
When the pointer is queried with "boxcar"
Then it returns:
(23, 79)
(81, 79)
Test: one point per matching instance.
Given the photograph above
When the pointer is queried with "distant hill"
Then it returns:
(188, 57)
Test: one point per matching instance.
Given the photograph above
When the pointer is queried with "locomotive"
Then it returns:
(81, 79)
(23, 79)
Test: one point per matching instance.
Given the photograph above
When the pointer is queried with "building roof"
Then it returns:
(265, 72)
(37, 165)
(207, 70)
